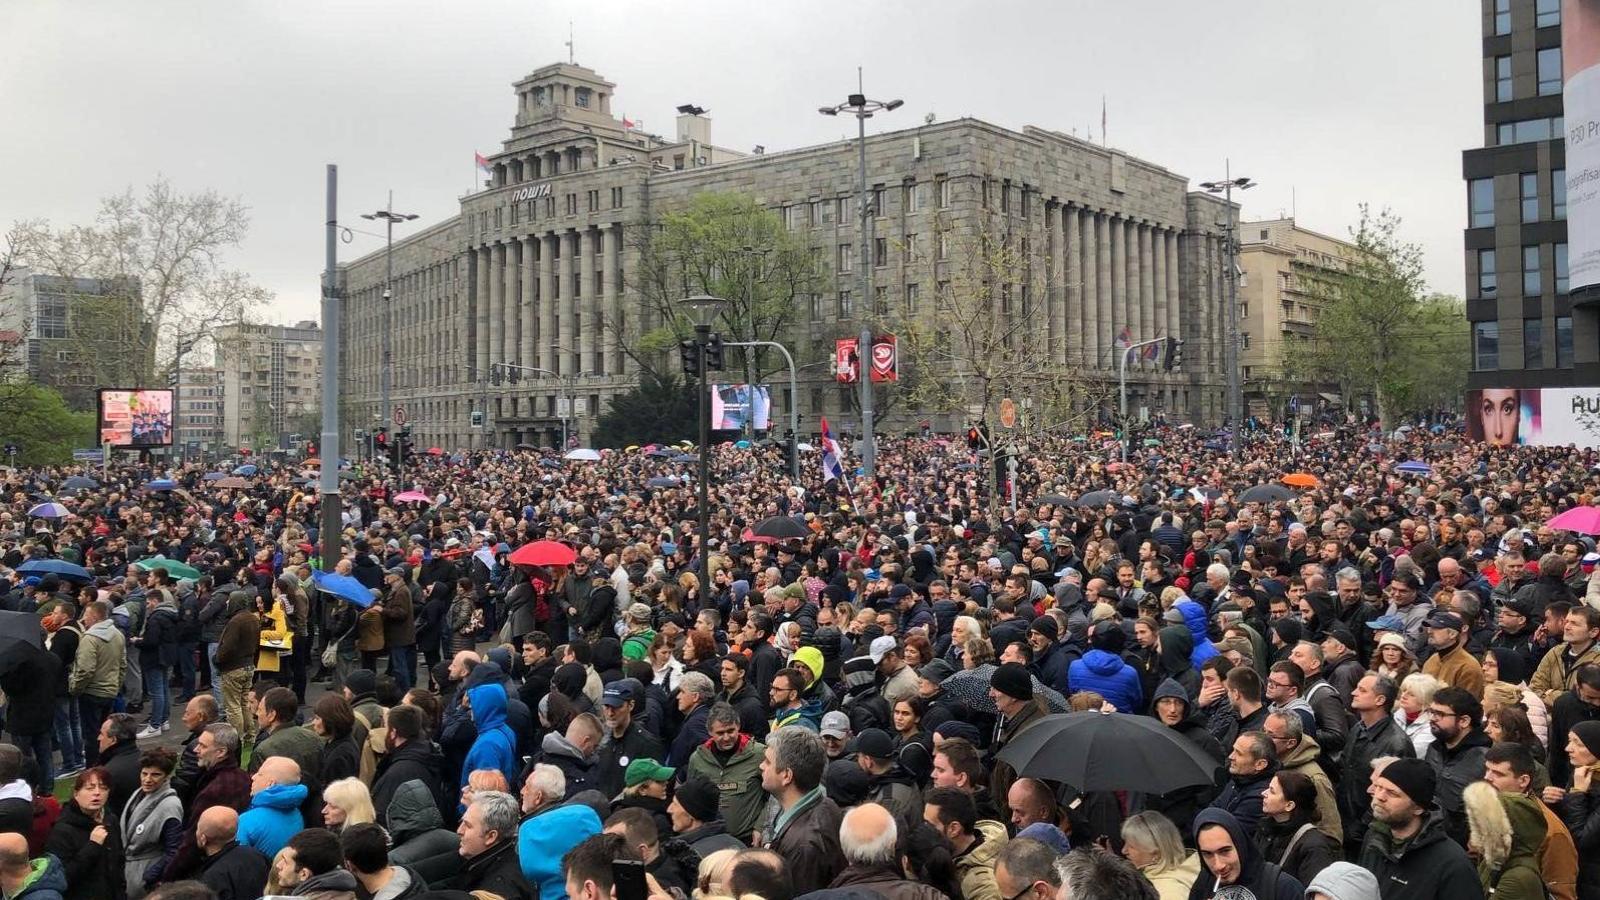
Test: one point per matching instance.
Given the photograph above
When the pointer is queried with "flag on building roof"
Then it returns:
(483, 165)
(831, 466)
(632, 124)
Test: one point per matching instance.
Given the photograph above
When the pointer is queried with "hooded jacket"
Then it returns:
(418, 761)
(1194, 618)
(582, 772)
(1518, 876)
(1426, 867)
(158, 643)
(1108, 675)
(1180, 806)
(975, 868)
(420, 839)
(1303, 759)
(46, 880)
(98, 668)
(273, 818)
(545, 837)
(1177, 650)
(1264, 879)
(495, 747)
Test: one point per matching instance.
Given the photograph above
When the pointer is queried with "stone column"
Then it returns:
(528, 309)
(511, 324)
(497, 302)
(480, 309)
(1151, 327)
(1169, 243)
(1158, 284)
(565, 266)
(547, 300)
(1119, 283)
(1105, 334)
(584, 299)
(1072, 288)
(611, 338)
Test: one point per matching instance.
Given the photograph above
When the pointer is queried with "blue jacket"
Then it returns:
(1109, 676)
(543, 839)
(1194, 616)
(273, 818)
(691, 734)
(496, 745)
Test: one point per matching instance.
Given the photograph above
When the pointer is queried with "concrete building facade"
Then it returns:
(539, 268)
(1278, 310)
(271, 382)
(76, 335)
(200, 408)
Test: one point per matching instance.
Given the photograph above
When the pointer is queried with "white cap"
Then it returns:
(880, 647)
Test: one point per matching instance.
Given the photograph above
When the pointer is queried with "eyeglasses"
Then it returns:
(1024, 892)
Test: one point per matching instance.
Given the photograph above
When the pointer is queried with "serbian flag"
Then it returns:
(1149, 351)
(1124, 338)
(831, 466)
(631, 124)
(483, 165)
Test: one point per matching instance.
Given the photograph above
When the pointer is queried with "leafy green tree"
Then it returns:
(1380, 333)
(37, 420)
(661, 409)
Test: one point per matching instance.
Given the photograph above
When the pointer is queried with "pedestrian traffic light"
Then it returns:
(689, 355)
(380, 443)
(714, 361)
(1174, 353)
(495, 375)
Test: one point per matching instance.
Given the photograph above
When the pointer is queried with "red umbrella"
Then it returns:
(1582, 519)
(750, 537)
(543, 553)
(435, 451)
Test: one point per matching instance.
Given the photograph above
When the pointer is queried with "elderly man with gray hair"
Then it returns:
(489, 847)
(868, 836)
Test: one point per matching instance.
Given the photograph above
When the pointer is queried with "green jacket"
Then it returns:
(102, 658)
(738, 783)
(1519, 877)
(295, 742)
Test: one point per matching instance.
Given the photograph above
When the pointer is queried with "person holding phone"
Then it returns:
(605, 867)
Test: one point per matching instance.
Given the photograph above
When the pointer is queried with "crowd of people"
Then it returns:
(1393, 670)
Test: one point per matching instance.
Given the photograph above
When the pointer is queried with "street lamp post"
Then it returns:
(703, 310)
(389, 217)
(863, 109)
(1231, 230)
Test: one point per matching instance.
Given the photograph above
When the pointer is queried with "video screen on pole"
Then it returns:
(135, 418)
(1539, 417)
(734, 404)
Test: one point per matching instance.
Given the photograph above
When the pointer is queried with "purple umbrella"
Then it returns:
(1582, 519)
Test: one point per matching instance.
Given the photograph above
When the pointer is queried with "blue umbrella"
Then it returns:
(54, 567)
(214, 476)
(742, 445)
(344, 587)
(51, 510)
(246, 469)
(79, 483)
(162, 484)
(1414, 467)
(662, 482)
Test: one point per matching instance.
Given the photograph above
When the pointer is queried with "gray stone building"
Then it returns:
(76, 335)
(537, 268)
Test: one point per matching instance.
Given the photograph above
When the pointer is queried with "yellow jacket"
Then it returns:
(276, 630)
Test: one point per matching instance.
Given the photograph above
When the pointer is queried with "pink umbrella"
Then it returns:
(1582, 519)
(412, 497)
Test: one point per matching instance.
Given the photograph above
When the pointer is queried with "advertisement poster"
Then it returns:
(1580, 64)
(885, 358)
(1540, 417)
(734, 404)
(135, 418)
(846, 360)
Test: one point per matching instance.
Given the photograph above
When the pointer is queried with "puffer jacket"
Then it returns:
(46, 880)
(975, 868)
(273, 818)
(98, 669)
(495, 747)
(1518, 876)
(1194, 618)
(1108, 675)
(545, 837)
(420, 839)
(582, 772)
(1426, 867)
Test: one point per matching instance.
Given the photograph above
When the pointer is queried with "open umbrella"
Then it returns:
(345, 587)
(173, 567)
(1265, 493)
(1300, 480)
(750, 537)
(18, 631)
(661, 453)
(1414, 467)
(527, 446)
(543, 553)
(1095, 751)
(684, 458)
(1099, 498)
(412, 497)
(550, 463)
(1582, 519)
(161, 484)
(313, 461)
(781, 528)
(583, 454)
(213, 476)
(51, 510)
(804, 447)
(79, 483)
(971, 688)
(435, 451)
(248, 470)
(55, 567)
(1055, 500)
(232, 482)
(664, 481)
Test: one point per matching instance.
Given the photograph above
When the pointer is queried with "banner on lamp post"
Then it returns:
(846, 360)
(885, 358)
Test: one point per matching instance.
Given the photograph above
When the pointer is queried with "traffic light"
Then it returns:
(689, 355)
(402, 446)
(714, 361)
(974, 440)
(1174, 353)
(380, 443)
(495, 375)
(513, 373)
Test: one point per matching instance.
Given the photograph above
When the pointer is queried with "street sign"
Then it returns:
(399, 414)
(1008, 413)
(88, 456)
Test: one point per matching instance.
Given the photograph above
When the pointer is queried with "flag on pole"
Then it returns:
(484, 167)
(1124, 338)
(1149, 351)
(632, 124)
(831, 466)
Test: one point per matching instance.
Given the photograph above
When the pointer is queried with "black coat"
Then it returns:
(237, 873)
(1361, 747)
(498, 871)
(1428, 866)
(122, 761)
(93, 870)
(615, 755)
(30, 710)
(1309, 855)
(1581, 813)
(340, 759)
(64, 647)
(418, 760)
(158, 643)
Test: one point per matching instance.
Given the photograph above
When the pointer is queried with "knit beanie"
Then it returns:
(1589, 733)
(1012, 680)
(1415, 778)
(699, 798)
(1344, 881)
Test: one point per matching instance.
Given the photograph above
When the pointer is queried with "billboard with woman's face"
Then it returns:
(1542, 417)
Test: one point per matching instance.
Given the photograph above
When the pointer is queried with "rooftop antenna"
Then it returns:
(572, 58)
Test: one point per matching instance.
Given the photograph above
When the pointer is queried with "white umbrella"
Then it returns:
(584, 454)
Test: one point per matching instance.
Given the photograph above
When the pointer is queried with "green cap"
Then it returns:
(642, 770)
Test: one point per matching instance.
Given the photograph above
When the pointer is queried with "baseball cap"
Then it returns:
(876, 743)
(642, 770)
(617, 693)
(1442, 618)
(1387, 623)
(835, 725)
(880, 647)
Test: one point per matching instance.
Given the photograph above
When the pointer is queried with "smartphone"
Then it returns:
(627, 880)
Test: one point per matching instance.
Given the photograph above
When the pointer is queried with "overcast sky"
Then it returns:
(1327, 105)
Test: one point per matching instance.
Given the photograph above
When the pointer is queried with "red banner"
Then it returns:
(885, 358)
(846, 360)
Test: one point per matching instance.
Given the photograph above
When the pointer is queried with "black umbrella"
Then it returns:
(1095, 751)
(970, 687)
(661, 453)
(1266, 493)
(782, 528)
(1099, 498)
(1055, 500)
(662, 482)
(18, 631)
(79, 483)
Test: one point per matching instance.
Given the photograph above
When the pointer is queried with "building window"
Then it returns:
(1486, 346)
(913, 201)
(1529, 187)
(1502, 78)
(1480, 194)
(1488, 280)
(1547, 13)
(1563, 342)
(847, 256)
(1531, 283)
(825, 211)
(1502, 19)
(880, 202)
(594, 201)
(677, 162)
(815, 302)
(582, 97)
(941, 190)
(942, 245)
(1561, 268)
(880, 252)
(880, 302)
(1524, 130)
(912, 292)
(1533, 343)
(844, 206)
(1549, 71)
(845, 311)
(572, 204)
(913, 252)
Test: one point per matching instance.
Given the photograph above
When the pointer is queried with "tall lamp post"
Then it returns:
(863, 109)
(1231, 230)
(703, 310)
(389, 217)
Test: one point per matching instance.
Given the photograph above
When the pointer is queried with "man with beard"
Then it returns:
(625, 739)
(1450, 662)
(313, 866)
(1407, 847)
(1456, 753)
(409, 756)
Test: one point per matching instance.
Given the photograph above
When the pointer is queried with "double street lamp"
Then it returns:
(703, 309)
(1231, 227)
(389, 217)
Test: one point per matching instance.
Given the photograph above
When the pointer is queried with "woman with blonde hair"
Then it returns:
(1411, 710)
(347, 802)
(1151, 842)
(713, 874)
(1504, 832)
